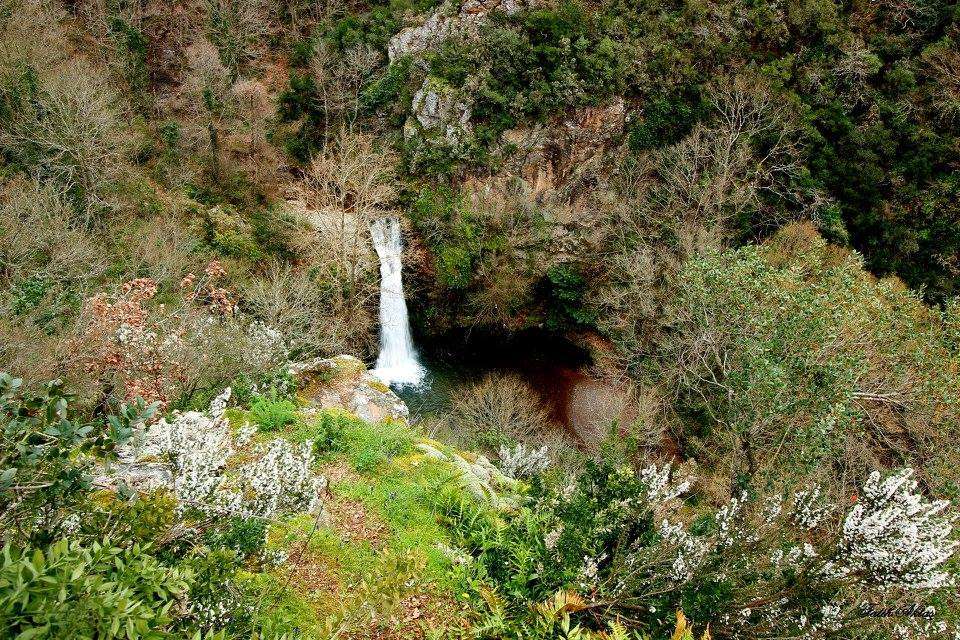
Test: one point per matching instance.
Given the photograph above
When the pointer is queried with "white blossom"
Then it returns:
(660, 484)
(521, 462)
(245, 434)
(266, 346)
(551, 538)
(894, 536)
(276, 476)
(219, 404)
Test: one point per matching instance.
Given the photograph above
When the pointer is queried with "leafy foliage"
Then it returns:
(80, 590)
(44, 455)
(791, 353)
(272, 413)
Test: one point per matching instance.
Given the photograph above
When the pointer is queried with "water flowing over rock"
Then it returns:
(398, 362)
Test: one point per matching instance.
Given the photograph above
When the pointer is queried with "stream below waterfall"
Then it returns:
(556, 369)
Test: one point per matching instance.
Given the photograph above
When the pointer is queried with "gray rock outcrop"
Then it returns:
(343, 382)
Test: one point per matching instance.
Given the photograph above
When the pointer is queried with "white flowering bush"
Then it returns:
(279, 479)
(265, 346)
(792, 565)
(274, 477)
(522, 462)
(894, 537)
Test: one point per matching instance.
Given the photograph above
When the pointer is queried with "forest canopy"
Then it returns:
(717, 240)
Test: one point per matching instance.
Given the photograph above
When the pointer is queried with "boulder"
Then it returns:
(439, 111)
(343, 382)
(450, 19)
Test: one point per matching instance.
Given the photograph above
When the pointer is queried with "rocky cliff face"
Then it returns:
(451, 18)
(441, 113)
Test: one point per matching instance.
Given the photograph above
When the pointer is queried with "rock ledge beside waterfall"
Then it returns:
(343, 382)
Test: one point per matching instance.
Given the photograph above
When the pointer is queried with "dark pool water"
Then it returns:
(554, 367)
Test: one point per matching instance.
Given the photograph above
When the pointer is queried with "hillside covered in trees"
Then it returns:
(682, 277)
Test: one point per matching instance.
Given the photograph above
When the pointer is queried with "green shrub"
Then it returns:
(245, 536)
(367, 446)
(275, 384)
(301, 51)
(71, 589)
(144, 518)
(666, 119)
(45, 469)
(326, 430)
(624, 539)
(567, 298)
(271, 414)
(533, 63)
(133, 44)
(808, 351)
(385, 92)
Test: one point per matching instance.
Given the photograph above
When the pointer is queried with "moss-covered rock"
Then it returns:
(343, 382)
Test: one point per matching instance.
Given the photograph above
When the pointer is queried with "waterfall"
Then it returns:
(397, 362)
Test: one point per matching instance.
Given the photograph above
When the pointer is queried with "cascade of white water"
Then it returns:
(397, 362)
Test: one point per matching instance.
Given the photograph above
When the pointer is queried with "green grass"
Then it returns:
(368, 446)
(404, 499)
(279, 609)
(400, 489)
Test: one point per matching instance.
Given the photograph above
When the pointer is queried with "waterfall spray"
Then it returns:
(397, 362)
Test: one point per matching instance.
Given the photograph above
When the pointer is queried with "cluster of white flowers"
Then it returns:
(197, 448)
(219, 609)
(245, 434)
(894, 536)
(589, 572)
(280, 479)
(275, 557)
(71, 523)
(454, 555)
(809, 509)
(690, 550)
(727, 531)
(219, 404)
(661, 485)
(552, 537)
(277, 477)
(521, 462)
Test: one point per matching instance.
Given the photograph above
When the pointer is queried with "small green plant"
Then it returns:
(326, 430)
(567, 292)
(367, 446)
(271, 413)
(246, 536)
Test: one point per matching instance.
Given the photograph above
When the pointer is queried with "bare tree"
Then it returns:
(943, 64)
(348, 185)
(70, 135)
(38, 239)
(339, 79)
(239, 28)
(312, 311)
